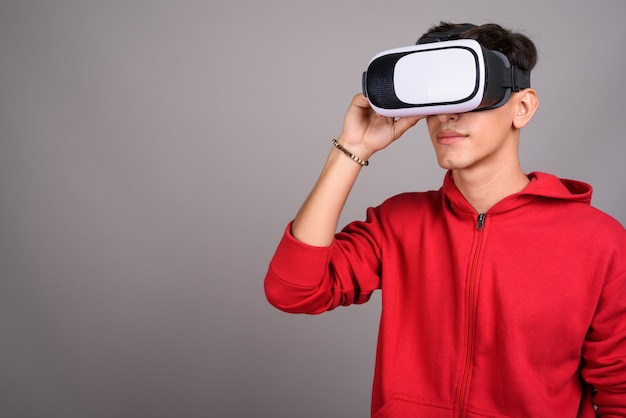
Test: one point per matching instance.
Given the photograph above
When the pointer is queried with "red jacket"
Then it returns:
(520, 312)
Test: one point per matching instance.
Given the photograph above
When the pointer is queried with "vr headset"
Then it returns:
(440, 76)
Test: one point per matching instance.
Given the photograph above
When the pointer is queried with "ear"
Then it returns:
(525, 106)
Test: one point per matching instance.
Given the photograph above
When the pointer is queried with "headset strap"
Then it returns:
(516, 78)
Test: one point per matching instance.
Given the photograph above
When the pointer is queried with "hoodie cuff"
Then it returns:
(299, 264)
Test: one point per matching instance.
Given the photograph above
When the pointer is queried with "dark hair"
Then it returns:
(518, 48)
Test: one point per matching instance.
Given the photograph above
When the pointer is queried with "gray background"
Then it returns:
(151, 153)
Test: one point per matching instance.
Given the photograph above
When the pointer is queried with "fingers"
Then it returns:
(363, 127)
(360, 100)
(400, 125)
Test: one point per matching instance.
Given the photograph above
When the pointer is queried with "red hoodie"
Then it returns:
(519, 312)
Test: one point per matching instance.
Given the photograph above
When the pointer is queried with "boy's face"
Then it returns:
(475, 139)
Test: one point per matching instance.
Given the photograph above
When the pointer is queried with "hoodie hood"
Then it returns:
(548, 185)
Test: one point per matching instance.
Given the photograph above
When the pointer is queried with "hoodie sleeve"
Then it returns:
(604, 349)
(306, 279)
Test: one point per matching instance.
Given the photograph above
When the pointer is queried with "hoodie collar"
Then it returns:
(541, 185)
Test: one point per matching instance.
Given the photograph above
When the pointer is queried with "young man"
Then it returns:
(503, 294)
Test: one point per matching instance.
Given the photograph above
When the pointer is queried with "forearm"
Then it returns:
(364, 133)
(316, 222)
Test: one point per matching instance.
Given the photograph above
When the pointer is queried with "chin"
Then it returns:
(451, 165)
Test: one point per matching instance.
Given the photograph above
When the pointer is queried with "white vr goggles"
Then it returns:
(449, 76)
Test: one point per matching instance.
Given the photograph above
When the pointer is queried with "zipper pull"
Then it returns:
(480, 225)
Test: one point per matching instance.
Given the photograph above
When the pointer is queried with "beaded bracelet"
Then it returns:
(349, 154)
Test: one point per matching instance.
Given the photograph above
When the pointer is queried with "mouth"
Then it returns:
(450, 137)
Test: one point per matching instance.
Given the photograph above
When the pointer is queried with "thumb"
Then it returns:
(401, 125)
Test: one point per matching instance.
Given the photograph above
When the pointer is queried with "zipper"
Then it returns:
(480, 224)
(471, 315)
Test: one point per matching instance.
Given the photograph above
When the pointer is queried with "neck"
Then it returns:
(483, 188)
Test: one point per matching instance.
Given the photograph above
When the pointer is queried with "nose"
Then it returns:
(448, 117)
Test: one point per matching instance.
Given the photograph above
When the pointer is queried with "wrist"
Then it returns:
(362, 161)
(356, 146)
